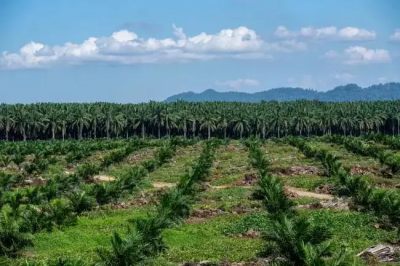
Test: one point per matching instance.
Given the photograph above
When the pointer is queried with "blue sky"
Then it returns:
(135, 51)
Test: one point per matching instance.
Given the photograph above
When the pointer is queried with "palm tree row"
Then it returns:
(219, 119)
(142, 244)
(291, 240)
(62, 199)
(384, 204)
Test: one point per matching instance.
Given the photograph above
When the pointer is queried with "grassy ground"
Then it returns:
(172, 171)
(212, 240)
(230, 164)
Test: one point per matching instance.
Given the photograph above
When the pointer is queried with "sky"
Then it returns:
(140, 50)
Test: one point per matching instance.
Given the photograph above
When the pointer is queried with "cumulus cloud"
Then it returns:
(346, 34)
(343, 76)
(238, 83)
(358, 55)
(396, 35)
(126, 47)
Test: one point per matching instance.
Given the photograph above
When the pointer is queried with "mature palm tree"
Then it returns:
(96, 118)
(241, 124)
(264, 124)
(118, 124)
(344, 121)
(364, 121)
(208, 121)
(299, 122)
(21, 120)
(157, 110)
(36, 123)
(223, 119)
(80, 120)
(65, 118)
(183, 121)
(276, 118)
(254, 121)
(194, 120)
(6, 120)
(170, 121)
(140, 118)
(52, 120)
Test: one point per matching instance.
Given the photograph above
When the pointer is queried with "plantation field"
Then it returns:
(199, 200)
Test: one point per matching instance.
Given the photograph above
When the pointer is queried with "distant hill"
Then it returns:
(350, 92)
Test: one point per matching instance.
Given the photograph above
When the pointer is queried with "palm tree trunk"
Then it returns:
(263, 132)
(159, 129)
(167, 127)
(209, 132)
(53, 133)
(398, 126)
(279, 135)
(80, 129)
(225, 133)
(184, 129)
(142, 130)
(7, 130)
(108, 129)
(393, 128)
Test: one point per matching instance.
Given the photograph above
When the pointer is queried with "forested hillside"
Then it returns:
(350, 92)
(219, 119)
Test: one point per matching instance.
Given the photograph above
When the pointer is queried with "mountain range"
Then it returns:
(349, 92)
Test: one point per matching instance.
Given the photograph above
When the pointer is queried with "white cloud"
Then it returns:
(396, 35)
(346, 34)
(125, 47)
(343, 76)
(238, 83)
(360, 55)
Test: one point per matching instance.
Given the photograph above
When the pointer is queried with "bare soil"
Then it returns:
(103, 178)
(298, 170)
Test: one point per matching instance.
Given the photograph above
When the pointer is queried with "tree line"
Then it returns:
(189, 119)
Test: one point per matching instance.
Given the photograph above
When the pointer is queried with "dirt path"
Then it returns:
(301, 193)
(103, 178)
(307, 194)
(162, 184)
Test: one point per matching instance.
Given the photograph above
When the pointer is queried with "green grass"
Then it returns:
(353, 230)
(172, 171)
(230, 164)
(191, 242)
(226, 179)
(349, 159)
(81, 241)
(226, 194)
(205, 241)
(283, 156)
(307, 182)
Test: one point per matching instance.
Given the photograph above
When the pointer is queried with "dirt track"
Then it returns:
(301, 193)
